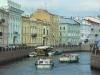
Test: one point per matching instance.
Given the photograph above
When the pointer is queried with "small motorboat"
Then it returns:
(44, 63)
(58, 52)
(69, 58)
(51, 53)
(32, 54)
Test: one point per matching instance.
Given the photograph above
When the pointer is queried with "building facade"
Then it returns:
(15, 12)
(4, 18)
(32, 31)
(85, 30)
(94, 30)
(51, 25)
(69, 32)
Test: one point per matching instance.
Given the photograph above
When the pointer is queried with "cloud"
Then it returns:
(60, 6)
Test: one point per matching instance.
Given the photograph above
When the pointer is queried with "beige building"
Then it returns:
(4, 28)
(32, 31)
(51, 26)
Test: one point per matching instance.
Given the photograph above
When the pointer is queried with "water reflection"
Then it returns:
(27, 67)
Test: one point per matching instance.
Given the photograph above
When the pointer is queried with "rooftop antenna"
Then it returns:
(40, 6)
(45, 5)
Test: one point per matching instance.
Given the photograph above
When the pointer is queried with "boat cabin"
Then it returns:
(43, 50)
(44, 61)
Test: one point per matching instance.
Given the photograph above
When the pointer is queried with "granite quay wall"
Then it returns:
(95, 59)
(14, 54)
(73, 48)
(8, 55)
(85, 47)
(67, 48)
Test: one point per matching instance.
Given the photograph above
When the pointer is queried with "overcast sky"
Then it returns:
(62, 7)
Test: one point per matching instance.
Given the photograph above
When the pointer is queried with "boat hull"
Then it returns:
(69, 58)
(50, 53)
(44, 66)
(64, 59)
(32, 55)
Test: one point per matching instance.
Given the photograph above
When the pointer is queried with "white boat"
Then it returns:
(51, 53)
(69, 58)
(64, 58)
(44, 63)
(43, 50)
(32, 54)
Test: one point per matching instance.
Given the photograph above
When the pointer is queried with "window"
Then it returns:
(63, 28)
(60, 28)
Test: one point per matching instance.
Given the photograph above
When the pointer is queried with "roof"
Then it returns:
(92, 19)
(42, 47)
(68, 21)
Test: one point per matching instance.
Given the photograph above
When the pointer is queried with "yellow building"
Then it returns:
(25, 29)
(51, 26)
(32, 31)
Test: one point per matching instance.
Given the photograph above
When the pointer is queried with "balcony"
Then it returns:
(2, 20)
(45, 36)
(34, 35)
(15, 33)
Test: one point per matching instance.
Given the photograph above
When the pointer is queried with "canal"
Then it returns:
(26, 66)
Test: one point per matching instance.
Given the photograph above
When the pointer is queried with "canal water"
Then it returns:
(26, 66)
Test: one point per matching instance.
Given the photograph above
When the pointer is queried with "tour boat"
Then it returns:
(43, 50)
(44, 63)
(69, 58)
(32, 54)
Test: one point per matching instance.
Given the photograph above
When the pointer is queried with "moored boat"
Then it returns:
(69, 58)
(51, 53)
(32, 54)
(58, 52)
(44, 63)
(43, 50)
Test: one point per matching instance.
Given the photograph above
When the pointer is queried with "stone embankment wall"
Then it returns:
(67, 48)
(14, 54)
(85, 47)
(95, 59)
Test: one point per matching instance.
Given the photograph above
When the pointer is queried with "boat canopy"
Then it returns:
(43, 47)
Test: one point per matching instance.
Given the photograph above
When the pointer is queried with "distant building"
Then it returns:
(4, 18)
(69, 32)
(15, 12)
(95, 29)
(32, 31)
(51, 26)
(85, 30)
